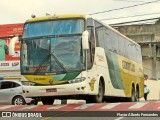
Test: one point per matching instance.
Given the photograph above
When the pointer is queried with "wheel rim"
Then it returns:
(18, 101)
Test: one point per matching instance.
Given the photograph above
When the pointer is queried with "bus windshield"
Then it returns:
(56, 27)
(52, 47)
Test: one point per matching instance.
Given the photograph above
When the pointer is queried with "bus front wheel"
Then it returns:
(97, 98)
(47, 101)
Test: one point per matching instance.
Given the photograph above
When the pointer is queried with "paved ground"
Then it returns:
(82, 111)
(123, 106)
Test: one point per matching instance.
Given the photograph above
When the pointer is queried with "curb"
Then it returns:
(65, 101)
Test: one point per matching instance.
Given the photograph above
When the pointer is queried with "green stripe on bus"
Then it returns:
(114, 70)
(71, 76)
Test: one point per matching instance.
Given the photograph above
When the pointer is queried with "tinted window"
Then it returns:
(90, 22)
(133, 55)
(99, 29)
(107, 39)
(6, 85)
(127, 49)
(91, 51)
(139, 55)
(15, 85)
(56, 27)
(100, 37)
(115, 38)
(91, 46)
(121, 46)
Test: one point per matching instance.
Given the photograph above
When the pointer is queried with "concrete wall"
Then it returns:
(154, 86)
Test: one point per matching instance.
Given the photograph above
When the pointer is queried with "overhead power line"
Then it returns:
(129, 0)
(131, 16)
(125, 7)
(118, 24)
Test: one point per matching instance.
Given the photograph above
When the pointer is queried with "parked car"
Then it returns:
(11, 92)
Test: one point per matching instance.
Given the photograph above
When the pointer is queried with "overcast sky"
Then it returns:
(18, 11)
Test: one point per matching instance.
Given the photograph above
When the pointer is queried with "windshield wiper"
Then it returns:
(44, 60)
(55, 58)
(60, 64)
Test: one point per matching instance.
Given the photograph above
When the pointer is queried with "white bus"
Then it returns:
(76, 56)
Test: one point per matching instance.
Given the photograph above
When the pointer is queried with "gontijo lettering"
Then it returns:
(128, 66)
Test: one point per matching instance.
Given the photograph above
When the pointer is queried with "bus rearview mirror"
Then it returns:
(85, 42)
(12, 45)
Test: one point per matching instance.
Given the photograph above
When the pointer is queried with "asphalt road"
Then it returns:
(55, 112)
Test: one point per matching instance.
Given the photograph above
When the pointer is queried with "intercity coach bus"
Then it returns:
(77, 56)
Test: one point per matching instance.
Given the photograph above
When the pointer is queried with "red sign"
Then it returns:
(7, 32)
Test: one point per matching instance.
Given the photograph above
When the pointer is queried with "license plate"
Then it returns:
(51, 90)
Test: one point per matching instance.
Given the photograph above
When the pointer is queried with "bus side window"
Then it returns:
(91, 44)
(100, 37)
(107, 39)
(91, 51)
(127, 49)
(114, 38)
(121, 46)
(139, 55)
(99, 30)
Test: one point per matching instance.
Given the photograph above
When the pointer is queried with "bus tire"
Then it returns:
(137, 95)
(97, 98)
(47, 101)
(133, 95)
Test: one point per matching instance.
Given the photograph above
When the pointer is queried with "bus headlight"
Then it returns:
(77, 80)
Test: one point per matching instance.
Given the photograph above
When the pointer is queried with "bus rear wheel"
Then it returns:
(133, 96)
(47, 101)
(137, 95)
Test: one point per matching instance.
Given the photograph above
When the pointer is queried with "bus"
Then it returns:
(77, 56)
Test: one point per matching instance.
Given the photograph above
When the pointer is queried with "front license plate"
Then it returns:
(51, 90)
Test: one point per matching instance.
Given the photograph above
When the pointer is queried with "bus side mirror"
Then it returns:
(85, 42)
(12, 45)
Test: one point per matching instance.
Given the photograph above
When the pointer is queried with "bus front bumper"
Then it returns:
(55, 90)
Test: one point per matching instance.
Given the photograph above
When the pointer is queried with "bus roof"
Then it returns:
(52, 17)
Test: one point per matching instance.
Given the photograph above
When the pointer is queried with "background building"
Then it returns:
(148, 36)
(9, 65)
